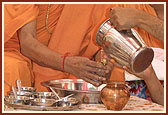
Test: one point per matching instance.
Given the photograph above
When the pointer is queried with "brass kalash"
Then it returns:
(128, 49)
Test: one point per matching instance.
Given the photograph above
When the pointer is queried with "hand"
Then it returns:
(90, 71)
(103, 58)
(124, 18)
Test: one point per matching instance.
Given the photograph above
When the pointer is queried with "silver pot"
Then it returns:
(84, 92)
(126, 47)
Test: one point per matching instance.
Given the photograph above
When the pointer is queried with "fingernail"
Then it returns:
(104, 79)
(100, 78)
(107, 71)
(124, 67)
(97, 84)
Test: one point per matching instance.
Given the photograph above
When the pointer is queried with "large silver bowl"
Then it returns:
(83, 91)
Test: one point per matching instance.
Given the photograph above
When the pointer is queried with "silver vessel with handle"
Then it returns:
(126, 47)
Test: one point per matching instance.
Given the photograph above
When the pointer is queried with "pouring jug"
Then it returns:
(126, 47)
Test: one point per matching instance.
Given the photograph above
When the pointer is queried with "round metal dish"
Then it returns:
(56, 107)
(22, 93)
(49, 95)
(43, 101)
(20, 100)
(83, 91)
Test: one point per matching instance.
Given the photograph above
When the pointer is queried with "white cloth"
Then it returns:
(157, 63)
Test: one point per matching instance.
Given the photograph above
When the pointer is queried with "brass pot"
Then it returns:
(115, 95)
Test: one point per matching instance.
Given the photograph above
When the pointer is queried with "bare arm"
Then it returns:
(154, 86)
(82, 67)
(36, 51)
(126, 18)
(152, 25)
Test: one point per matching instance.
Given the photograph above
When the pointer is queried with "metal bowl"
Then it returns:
(66, 102)
(20, 100)
(49, 95)
(83, 91)
(22, 93)
(27, 89)
(43, 102)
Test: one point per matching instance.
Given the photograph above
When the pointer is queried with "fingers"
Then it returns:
(115, 18)
(95, 64)
(92, 78)
(95, 83)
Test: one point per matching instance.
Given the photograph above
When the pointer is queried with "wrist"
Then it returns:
(142, 19)
(64, 60)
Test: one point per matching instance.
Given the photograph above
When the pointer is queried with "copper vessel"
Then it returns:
(115, 95)
(126, 47)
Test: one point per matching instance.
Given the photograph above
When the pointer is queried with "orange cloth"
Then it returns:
(75, 33)
(16, 66)
(74, 28)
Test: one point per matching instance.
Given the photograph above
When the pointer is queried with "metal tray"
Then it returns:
(41, 108)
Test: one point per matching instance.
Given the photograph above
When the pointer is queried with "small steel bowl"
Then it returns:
(48, 95)
(20, 100)
(22, 93)
(43, 102)
(27, 89)
(66, 102)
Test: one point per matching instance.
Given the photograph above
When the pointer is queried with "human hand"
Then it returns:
(90, 71)
(125, 18)
(104, 59)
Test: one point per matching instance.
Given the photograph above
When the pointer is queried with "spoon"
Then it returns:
(64, 98)
(55, 93)
(19, 86)
(14, 92)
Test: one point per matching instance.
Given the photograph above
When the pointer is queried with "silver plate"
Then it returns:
(41, 108)
(83, 91)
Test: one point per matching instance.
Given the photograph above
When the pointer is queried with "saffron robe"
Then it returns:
(73, 28)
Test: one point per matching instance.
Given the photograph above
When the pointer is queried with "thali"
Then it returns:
(41, 108)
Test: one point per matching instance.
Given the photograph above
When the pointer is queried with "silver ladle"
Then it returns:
(60, 99)
(14, 92)
(55, 93)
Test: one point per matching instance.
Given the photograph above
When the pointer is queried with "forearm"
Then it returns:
(152, 25)
(155, 88)
(40, 53)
